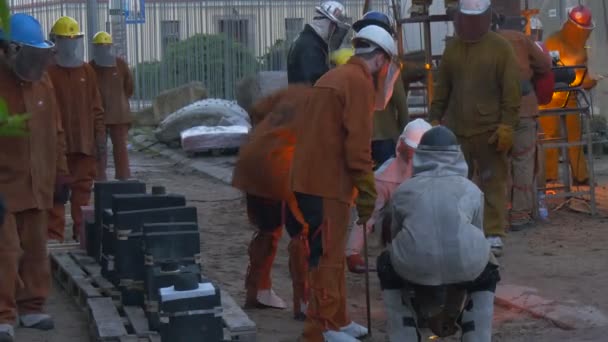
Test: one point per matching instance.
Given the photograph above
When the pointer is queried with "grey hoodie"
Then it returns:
(437, 221)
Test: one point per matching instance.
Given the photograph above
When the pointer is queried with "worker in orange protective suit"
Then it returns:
(332, 166)
(34, 175)
(262, 172)
(570, 42)
(116, 86)
(83, 117)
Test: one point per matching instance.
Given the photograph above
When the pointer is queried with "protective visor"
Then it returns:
(30, 63)
(103, 55)
(337, 37)
(386, 83)
(70, 51)
(472, 27)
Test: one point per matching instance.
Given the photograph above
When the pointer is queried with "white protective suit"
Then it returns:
(438, 239)
(437, 224)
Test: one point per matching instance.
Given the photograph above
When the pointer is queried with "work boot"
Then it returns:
(520, 225)
(7, 333)
(496, 245)
(355, 263)
(38, 321)
(300, 313)
(337, 336)
(268, 298)
(354, 330)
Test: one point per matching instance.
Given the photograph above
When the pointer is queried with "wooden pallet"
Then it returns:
(109, 321)
(80, 276)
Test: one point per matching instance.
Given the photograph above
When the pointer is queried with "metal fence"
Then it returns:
(169, 43)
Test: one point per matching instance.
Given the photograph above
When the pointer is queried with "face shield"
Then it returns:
(473, 20)
(387, 76)
(29, 63)
(336, 38)
(103, 55)
(69, 51)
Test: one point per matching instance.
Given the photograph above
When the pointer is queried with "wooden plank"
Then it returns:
(105, 319)
(66, 271)
(85, 290)
(137, 319)
(86, 262)
(235, 319)
(67, 264)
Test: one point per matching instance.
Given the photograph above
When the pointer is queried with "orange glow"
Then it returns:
(427, 66)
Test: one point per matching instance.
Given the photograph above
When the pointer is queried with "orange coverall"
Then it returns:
(262, 171)
(570, 42)
(30, 166)
(332, 149)
(116, 87)
(82, 116)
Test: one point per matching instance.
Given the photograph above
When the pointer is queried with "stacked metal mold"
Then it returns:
(148, 243)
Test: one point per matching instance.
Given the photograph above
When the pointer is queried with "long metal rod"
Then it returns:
(367, 295)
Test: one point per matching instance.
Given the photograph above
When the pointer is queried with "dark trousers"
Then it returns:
(382, 150)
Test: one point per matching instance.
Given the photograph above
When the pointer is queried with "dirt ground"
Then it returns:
(565, 260)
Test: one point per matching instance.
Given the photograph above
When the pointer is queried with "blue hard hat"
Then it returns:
(374, 18)
(26, 30)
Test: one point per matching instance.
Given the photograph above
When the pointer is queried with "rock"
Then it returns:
(250, 89)
(209, 112)
(144, 117)
(172, 100)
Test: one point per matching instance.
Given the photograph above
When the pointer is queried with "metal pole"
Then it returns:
(367, 299)
(428, 48)
(92, 23)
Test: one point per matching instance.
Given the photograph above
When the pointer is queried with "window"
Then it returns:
(235, 29)
(169, 32)
(293, 26)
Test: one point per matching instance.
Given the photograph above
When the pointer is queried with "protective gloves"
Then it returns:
(503, 138)
(62, 189)
(366, 200)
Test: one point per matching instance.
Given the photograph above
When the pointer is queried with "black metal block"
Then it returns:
(131, 202)
(175, 242)
(127, 244)
(103, 192)
(191, 315)
(160, 276)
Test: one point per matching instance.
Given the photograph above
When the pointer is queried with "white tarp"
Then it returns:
(208, 112)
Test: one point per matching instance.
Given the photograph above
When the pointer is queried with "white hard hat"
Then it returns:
(413, 132)
(377, 36)
(333, 10)
(474, 7)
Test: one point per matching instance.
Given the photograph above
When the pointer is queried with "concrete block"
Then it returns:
(252, 88)
(566, 315)
(171, 100)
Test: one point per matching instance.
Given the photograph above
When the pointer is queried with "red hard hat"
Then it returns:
(581, 16)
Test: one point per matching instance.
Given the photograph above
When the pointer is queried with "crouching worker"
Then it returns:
(387, 178)
(262, 172)
(438, 271)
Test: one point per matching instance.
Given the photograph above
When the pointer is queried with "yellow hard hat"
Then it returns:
(341, 56)
(102, 37)
(66, 27)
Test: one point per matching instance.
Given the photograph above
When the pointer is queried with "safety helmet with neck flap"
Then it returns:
(473, 19)
(32, 53)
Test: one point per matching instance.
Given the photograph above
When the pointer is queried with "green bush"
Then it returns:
(215, 60)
